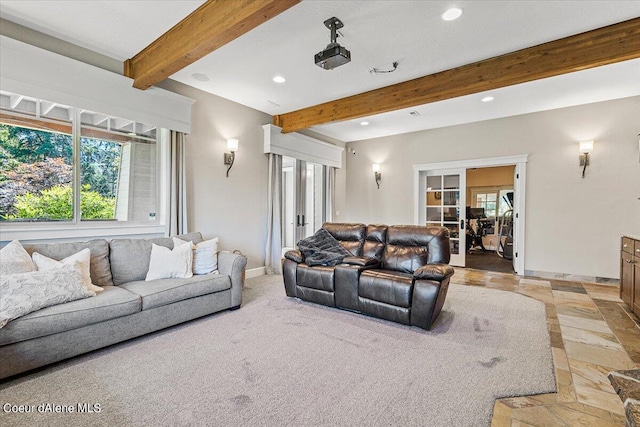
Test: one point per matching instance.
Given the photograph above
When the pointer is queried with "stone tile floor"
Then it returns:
(592, 333)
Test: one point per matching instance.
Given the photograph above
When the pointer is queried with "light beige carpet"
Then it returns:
(278, 361)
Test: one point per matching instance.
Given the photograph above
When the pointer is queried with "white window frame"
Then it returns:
(71, 82)
(77, 228)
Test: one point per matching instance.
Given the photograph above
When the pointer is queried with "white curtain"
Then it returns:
(178, 196)
(330, 191)
(273, 258)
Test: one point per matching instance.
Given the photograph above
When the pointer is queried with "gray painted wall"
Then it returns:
(233, 209)
(573, 225)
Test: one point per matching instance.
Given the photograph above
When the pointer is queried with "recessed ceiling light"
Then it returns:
(364, 123)
(487, 99)
(200, 77)
(451, 14)
(279, 79)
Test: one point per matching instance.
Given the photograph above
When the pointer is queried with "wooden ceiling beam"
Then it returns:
(603, 46)
(212, 25)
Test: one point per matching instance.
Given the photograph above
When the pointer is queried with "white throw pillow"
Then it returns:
(83, 258)
(205, 255)
(15, 259)
(22, 293)
(166, 263)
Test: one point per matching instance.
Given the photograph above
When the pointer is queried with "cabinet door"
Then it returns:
(627, 245)
(626, 278)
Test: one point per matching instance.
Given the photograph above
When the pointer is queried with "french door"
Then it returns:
(305, 199)
(443, 202)
(458, 167)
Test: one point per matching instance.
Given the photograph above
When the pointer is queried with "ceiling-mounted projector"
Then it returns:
(334, 55)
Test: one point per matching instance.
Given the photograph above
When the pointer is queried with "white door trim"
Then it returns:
(474, 163)
(519, 186)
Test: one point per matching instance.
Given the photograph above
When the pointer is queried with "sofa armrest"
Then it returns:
(295, 256)
(438, 272)
(233, 265)
(360, 261)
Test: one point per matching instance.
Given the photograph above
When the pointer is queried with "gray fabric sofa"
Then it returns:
(127, 308)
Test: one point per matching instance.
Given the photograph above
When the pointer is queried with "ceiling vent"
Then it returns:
(334, 55)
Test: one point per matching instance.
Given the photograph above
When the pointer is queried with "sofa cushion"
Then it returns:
(111, 303)
(156, 293)
(100, 269)
(389, 287)
(350, 236)
(375, 241)
(404, 259)
(130, 257)
(318, 277)
(360, 261)
(434, 239)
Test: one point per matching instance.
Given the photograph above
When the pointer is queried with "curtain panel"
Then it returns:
(273, 250)
(178, 194)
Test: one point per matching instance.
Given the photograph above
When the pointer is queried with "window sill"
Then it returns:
(70, 231)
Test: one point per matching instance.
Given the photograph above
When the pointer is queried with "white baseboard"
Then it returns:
(255, 272)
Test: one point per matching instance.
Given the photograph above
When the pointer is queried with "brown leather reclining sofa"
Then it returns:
(399, 273)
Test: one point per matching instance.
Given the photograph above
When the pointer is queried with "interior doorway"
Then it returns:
(305, 198)
(490, 196)
(508, 232)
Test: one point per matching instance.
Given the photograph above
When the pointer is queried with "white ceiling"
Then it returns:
(116, 28)
(377, 33)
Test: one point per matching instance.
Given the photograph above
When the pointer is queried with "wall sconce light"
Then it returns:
(586, 147)
(232, 147)
(376, 173)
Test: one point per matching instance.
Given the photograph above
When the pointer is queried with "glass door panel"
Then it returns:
(434, 214)
(451, 198)
(451, 182)
(434, 183)
(451, 214)
(288, 204)
(314, 215)
(444, 200)
(303, 200)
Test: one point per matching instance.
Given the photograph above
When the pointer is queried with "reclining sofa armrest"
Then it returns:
(295, 256)
(360, 261)
(438, 272)
(233, 265)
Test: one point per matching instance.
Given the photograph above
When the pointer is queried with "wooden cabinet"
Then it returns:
(630, 273)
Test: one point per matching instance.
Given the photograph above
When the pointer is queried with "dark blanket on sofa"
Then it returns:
(322, 249)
